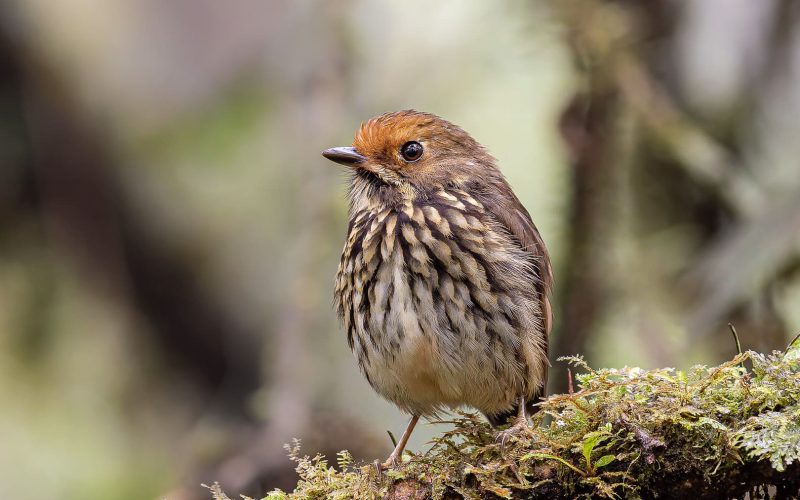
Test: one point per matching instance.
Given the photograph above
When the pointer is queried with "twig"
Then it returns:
(570, 389)
(735, 338)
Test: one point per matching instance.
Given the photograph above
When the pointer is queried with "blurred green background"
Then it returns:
(169, 231)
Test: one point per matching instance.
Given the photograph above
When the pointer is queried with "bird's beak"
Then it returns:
(344, 156)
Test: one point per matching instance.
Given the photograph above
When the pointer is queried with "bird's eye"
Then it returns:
(411, 151)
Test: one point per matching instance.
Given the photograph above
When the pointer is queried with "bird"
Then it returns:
(443, 286)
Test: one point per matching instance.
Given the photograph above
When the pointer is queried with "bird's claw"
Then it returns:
(380, 467)
(514, 431)
(390, 463)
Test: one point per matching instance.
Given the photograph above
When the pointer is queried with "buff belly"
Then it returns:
(423, 365)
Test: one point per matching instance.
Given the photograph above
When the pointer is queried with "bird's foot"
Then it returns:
(397, 455)
(390, 463)
(520, 428)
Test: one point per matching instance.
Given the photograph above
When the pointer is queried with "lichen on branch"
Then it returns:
(718, 432)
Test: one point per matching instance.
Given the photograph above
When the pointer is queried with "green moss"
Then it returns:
(627, 433)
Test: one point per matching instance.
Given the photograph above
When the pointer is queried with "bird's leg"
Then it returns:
(520, 425)
(396, 455)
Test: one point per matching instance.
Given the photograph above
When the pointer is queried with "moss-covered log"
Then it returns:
(721, 432)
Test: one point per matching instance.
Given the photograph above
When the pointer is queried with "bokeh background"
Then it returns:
(169, 232)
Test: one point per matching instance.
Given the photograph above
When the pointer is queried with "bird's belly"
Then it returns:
(426, 349)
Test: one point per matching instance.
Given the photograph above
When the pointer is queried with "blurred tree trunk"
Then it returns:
(642, 166)
(65, 179)
(587, 125)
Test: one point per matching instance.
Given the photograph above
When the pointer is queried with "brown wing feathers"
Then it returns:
(510, 213)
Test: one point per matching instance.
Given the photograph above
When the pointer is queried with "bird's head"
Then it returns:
(410, 153)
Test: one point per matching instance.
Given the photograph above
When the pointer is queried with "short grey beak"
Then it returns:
(345, 156)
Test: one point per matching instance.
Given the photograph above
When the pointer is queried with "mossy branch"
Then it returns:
(719, 432)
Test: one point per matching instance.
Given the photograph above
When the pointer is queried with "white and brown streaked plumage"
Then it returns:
(443, 282)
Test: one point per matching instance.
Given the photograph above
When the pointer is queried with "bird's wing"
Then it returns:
(501, 202)
(503, 205)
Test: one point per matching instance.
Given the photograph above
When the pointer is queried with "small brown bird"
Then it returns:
(443, 282)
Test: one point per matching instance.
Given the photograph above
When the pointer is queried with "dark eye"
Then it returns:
(411, 151)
